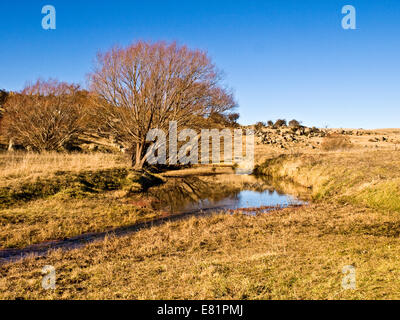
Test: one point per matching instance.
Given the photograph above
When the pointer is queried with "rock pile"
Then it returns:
(285, 136)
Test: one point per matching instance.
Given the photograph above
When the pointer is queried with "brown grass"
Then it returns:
(58, 218)
(291, 254)
(295, 253)
(334, 142)
(21, 166)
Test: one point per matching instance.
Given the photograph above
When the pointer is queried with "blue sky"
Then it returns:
(283, 58)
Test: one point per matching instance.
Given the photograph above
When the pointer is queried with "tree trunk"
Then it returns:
(137, 157)
(11, 145)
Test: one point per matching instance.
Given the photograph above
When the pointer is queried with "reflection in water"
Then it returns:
(220, 192)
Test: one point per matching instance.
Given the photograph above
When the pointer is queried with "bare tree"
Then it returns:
(147, 85)
(46, 115)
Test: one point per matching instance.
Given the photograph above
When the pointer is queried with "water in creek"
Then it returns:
(226, 192)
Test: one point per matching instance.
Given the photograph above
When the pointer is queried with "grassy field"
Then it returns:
(294, 253)
(291, 254)
(18, 167)
(40, 201)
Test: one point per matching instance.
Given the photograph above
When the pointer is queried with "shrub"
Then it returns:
(233, 118)
(294, 123)
(335, 141)
(259, 126)
(280, 123)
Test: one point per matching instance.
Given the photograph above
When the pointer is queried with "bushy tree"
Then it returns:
(47, 115)
(294, 123)
(147, 85)
(233, 118)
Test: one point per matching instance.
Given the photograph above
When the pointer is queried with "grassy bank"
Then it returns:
(370, 179)
(55, 204)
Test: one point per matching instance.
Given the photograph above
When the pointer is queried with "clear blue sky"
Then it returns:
(283, 58)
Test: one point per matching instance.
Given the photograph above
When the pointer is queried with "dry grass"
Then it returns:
(368, 178)
(57, 218)
(41, 203)
(291, 254)
(334, 142)
(20, 166)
